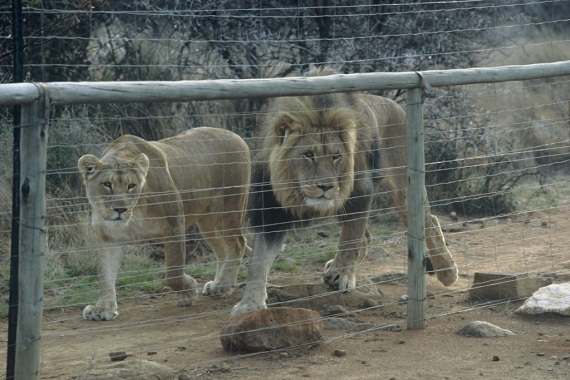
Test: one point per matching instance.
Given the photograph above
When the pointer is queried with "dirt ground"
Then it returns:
(186, 340)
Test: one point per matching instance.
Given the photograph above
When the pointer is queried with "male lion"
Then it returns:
(324, 155)
(141, 190)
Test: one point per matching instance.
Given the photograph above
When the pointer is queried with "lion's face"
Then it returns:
(311, 156)
(113, 186)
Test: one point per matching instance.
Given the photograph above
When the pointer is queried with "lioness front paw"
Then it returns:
(187, 297)
(343, 278)
(216, 288)
(97, 313)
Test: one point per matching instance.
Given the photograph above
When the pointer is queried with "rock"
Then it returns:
(394, 277)
(130, 369)
(553, 298)
(453, 216)
(369, 303)
(332, 323)
(117, 356)
(497, 286)
(272, 329)
(482, 329)
(335, 311)
(315, 296)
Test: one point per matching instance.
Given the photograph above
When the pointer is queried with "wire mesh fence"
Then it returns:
(496, 174)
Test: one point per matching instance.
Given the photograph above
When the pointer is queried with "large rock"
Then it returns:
(272, 329)
(498, 286)
(553, 298)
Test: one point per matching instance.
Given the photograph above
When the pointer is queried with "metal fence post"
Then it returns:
(33, 148)
(415, 203)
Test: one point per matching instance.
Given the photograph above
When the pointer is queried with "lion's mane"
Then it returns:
(275, 198)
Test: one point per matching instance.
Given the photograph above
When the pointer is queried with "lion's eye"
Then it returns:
(108, 185)
(336, 157)
(309, 155)
(131, 186)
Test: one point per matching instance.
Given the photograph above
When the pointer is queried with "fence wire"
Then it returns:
(496, 162)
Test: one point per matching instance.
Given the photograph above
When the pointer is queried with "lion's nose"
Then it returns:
(325, 188)
(119, 210)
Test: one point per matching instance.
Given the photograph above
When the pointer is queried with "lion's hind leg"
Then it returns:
(443, 264)
(441, 260)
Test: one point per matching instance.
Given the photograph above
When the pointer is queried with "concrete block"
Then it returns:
(497, 286)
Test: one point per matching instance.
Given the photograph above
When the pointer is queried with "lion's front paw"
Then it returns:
(246, 307)
(343, 278)
(216, 288)
(97, 313)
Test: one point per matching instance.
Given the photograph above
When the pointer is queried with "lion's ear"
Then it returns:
(283, 125)
(87, 166)
(143, 162)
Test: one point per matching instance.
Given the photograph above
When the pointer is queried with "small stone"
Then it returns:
(323, 234)
(117, 356)
(401, 341)
(339, 353)
(540, 354)
(396, 328)
(183, 376)
(482, 329)
(336, 311)
(496, 358)
(225, 367)
(368, 303)
(151, 353)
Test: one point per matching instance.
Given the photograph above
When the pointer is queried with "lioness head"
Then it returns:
(113, 185)
(310, 152)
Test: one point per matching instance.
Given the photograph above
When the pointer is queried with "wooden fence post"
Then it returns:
(415, 203)
(32, 248)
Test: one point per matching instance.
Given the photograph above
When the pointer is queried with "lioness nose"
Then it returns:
(120, 210)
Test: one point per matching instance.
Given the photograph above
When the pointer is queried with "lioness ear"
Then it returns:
(87, 165)
(143, 162)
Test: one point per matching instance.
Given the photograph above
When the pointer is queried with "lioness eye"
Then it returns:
(336, 156)
(309, 155)
(108, 185)
(131, 186)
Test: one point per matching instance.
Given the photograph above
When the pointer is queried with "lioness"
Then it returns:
(141, 190)
(325, 155)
